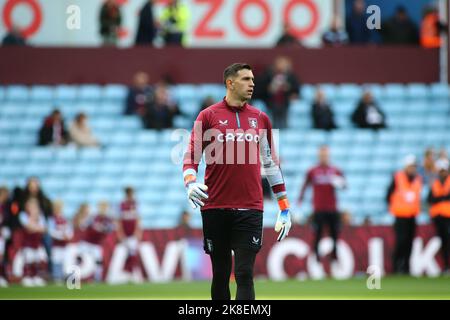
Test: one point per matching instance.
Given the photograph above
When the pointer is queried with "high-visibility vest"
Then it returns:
(438, 190)
(405, 200)
(429, 32)
(181, 14)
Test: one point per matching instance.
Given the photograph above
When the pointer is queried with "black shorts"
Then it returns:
(226, 229)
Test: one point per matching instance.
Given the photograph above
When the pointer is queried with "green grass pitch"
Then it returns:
(355, 288)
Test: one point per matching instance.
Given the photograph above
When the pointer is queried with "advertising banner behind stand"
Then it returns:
(212, 23)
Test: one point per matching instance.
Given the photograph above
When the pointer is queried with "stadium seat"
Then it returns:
(417, 91)
(349, 92)
(65, 93)
(16, 93)
(439, 91)
(42, 93)
(89, 92)
(307, 92)
(114, 93)
(394, 91)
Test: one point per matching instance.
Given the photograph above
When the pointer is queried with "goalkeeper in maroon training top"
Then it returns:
(234, 137)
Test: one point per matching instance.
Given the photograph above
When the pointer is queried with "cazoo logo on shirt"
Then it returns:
(238, 137)
(234, 146)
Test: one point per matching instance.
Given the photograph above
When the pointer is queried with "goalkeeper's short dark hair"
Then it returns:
(232, 70)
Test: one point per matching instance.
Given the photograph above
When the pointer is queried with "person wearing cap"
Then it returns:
(403, 198)
(439, 201)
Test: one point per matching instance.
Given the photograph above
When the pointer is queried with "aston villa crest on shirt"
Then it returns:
(253, 122)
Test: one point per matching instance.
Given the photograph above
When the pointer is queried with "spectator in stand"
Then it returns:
(208, 101)
(368, 114)
(9, 211)
(140, 94)
(431, 28)
(400, 29)
(53, 131)
(80, 132)
(14, 37)
(277, 88)
(110, 22)
(161, 111)
(98, 228)
(174, 21)
(146, 31)
(80, 221)
(427, 169)
(129, 233)
(5, 233)
(439, 201)
(322, 115)
(288, 39)
(185, 221)
(336, 36)
(403, 197)
(61, 232)
(442, 154)
(34, 226)
(356, 26)
(33, 190)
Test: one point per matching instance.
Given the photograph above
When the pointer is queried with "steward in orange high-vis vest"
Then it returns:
(439, 200)
(403, 198)
(431, 28)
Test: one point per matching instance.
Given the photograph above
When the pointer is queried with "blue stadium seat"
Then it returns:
(439, 91)
(189, 108)
(182, 122)
(65, 93)
(417, 91)
(89, 92)
(350, 92)
(124, 139)
(114, 92)
(42, 93)
(112, 168)
(185, 92)
(216, 91)
(105, 183)
(16, 93)
(144, 154)
(113, 109)
(25, 139)
(394, 91)
(130, 123)
(307, 92)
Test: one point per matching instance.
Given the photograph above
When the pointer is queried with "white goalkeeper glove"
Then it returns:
(283, 224)
(338, 182)
(196, 192)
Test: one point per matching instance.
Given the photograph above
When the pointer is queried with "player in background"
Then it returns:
(98, 228)
(33, 223)
(129, 233)
(5, 233)
(235, 138)
(324, 179)
(61, 232)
